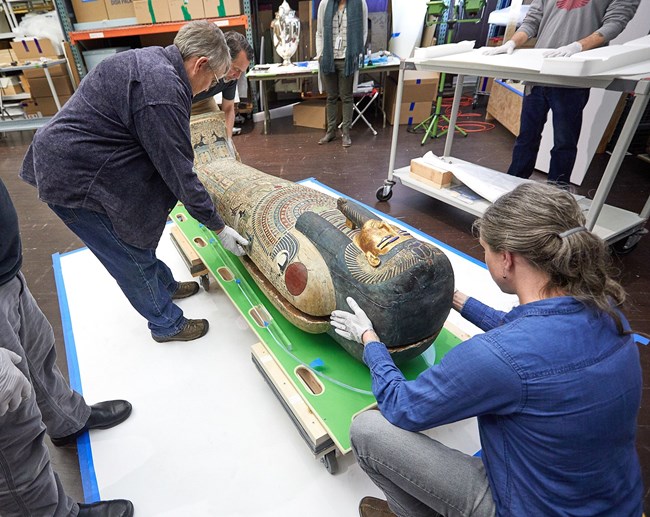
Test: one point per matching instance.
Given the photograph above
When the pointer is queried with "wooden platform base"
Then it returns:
(309, 427)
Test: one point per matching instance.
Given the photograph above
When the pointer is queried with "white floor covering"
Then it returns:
(207, 436)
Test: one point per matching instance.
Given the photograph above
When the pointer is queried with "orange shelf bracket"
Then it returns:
(155, 28)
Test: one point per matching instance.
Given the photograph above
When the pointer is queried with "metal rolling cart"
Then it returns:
(612, 224)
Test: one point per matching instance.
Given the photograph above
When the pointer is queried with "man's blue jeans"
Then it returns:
(147, 281)
(567, 105)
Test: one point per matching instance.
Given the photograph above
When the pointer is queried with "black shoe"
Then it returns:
(327, 138)
(193, 329)
(346, 141)
(185, 290)
(115, 508)
(102, 416)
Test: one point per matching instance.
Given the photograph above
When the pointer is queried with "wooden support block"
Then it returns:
(505, 105)
(436, 177)
(188, 253)
(313, 430)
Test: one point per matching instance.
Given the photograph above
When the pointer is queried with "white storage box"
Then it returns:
(94, 57)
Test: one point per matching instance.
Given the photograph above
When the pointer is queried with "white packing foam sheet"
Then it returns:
(600, 61)
(435, 51)
(207, 436)
(487, 183)
(501, 17)
(528, 59)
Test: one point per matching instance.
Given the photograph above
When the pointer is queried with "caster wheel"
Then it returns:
(624, 246)
(330, 462)
(205, 282)
(381, 196)
(628, 244)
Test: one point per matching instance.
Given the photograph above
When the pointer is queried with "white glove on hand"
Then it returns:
(565, 51)
(507, 48)
(232, 241)
(14, 386)
(351, 326)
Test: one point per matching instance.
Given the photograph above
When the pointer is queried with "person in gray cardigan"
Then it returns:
(341, 33)
(35, 397)
(565, 27)
(117, 158)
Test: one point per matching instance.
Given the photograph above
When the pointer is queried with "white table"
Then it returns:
(277, 72)
(611, 223)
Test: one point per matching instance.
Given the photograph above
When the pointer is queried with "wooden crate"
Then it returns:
(505, 104)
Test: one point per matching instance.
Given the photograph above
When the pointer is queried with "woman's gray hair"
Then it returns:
(204, 39)
(543, 224)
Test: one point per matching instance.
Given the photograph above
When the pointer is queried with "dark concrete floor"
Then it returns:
(292, 152)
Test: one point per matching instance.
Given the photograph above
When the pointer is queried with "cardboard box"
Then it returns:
(24, 83)
(220, 8)
(418, 86)
(7, 57)
(39, 87)
(118, 9)
(184, 10)
(33, 49)
(55, 71)
(144, 15)
(411, 112)
(11, 85)
(312, 113)
(435, 177)
(45, 105)
(89, 10)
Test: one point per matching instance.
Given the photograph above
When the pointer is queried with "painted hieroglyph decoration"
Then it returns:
(309, 251)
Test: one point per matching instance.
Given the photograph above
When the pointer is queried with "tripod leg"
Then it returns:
(456, 127)
(432, 128)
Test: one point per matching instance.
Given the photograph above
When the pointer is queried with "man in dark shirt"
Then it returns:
(34, 397)
(118, 156)
(241, 54)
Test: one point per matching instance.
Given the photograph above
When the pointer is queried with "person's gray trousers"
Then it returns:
(28, 485)
(420, 476)
(337, 85)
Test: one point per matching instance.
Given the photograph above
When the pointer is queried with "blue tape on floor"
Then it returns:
(84, 451)
(641, 339)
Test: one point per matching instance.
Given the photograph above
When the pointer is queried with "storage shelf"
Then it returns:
(16, 97)
(154, 28)
(24, 124)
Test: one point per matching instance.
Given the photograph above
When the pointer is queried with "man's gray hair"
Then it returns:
(204, 39)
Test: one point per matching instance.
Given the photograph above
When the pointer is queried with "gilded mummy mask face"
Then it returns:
(377, 238)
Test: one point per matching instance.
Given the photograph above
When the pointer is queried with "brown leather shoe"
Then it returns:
(327, 138)
(193, 329)
(373, 507)
(185, 290)
(346, 141)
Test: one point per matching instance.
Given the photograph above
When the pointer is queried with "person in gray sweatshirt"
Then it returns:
(565, 27)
